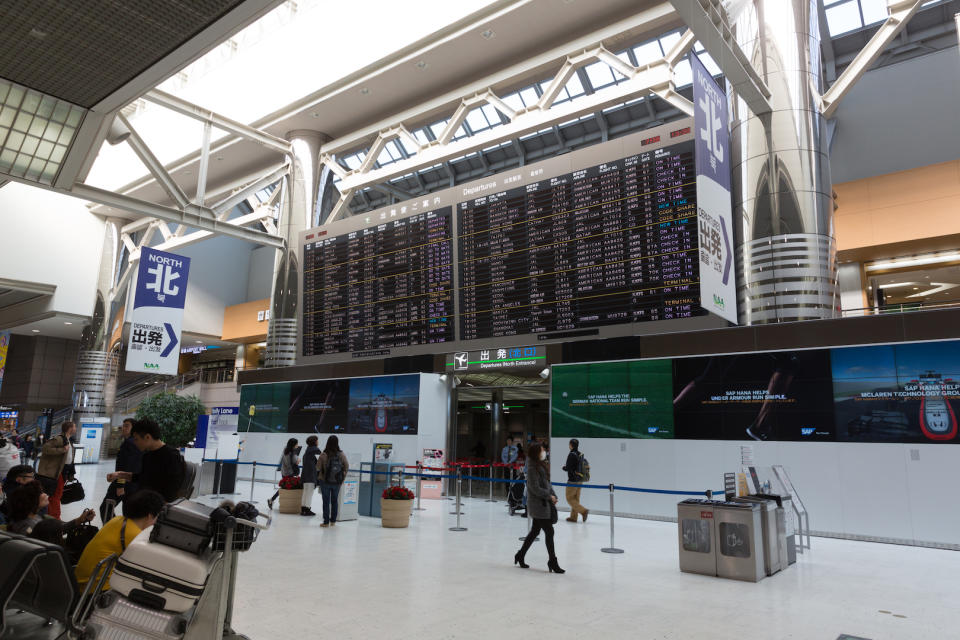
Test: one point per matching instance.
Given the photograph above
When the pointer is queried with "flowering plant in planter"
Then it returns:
(397, 493)
(291, 483)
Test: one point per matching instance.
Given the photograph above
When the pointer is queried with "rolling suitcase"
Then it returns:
(159, 576)
(184, 524)
(116, 618)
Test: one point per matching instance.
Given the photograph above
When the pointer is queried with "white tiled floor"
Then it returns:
(358, 580)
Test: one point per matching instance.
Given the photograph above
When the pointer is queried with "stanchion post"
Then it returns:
(611, 548)
(471, 482)
(200, 478)
(253, 479)
(490, 499)
(419, 485)
(458, 527)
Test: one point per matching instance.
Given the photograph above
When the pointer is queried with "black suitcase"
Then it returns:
(184, 524)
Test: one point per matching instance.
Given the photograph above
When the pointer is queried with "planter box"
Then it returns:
(290, 500)
(395, 513)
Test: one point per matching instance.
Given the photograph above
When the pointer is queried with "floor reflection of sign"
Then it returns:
(382, 451)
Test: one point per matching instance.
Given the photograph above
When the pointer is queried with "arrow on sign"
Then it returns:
(173, 340)
(726, 241)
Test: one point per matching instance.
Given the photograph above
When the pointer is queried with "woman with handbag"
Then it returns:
(26, 504)
(289, 465)
(541, 507)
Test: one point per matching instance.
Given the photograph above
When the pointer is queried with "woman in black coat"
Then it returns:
(541, 501)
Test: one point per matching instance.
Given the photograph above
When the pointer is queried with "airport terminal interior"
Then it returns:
(691, 265)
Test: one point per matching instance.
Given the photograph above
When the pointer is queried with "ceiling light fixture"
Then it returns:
(35, 330)
(916, 261)
(421, 65)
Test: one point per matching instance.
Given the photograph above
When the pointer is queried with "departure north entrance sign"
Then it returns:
(158, 304)
(718, 288)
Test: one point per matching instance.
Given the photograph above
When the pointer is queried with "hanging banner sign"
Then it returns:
(157, 312)
(718, 287)
(4, 346)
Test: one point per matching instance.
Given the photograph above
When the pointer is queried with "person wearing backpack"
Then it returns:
(332, 470)
(577, 472)
(309, 475)
(289, 466)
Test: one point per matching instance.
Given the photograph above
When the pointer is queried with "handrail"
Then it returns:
(902, 307)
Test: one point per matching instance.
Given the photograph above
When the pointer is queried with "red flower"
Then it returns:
(291, 483)
(397, 493)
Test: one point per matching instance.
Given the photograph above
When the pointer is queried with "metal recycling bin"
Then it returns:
(739, 541)
(697, 536)
(770, 534)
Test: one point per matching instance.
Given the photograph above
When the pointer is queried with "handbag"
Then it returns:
(554, 517)
(77, 540)
(72, 492)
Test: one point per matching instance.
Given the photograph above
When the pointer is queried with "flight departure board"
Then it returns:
(386, 285)
(613, 243)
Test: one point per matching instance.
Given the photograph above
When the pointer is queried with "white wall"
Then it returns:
(260, 273)
(51, 239)
(224, 394)
(431, 434)
(850, 489)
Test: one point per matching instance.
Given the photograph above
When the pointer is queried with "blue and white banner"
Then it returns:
(157, 312)
(718, 287)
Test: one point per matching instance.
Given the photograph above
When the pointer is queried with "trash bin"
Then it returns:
(770, 533)
(697, 536)
(738, 531)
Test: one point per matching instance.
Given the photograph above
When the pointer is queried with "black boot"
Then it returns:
(518, 559)
(554, 567)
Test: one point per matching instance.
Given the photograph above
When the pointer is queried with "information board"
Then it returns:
(608, 244)
(384, 286)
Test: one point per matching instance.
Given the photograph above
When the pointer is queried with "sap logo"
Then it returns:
(718, 302)
(807, 431)
(652, 429)
(149, 365)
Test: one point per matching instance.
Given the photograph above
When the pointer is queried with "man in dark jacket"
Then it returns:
(161, 468)
(573, 477)
(128, 459)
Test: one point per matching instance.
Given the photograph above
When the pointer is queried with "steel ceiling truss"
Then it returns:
(656, 77)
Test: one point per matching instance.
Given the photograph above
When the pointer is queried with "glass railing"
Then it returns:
(905, 307)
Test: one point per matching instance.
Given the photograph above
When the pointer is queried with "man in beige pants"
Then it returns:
(573, 478)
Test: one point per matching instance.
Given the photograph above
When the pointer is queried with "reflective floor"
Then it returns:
(358, 580)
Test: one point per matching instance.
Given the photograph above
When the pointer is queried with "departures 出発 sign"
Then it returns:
(157, 312)
(498, 358)
(718, 288)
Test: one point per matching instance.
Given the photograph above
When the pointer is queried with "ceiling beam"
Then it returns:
(900, 13)
(707, 20)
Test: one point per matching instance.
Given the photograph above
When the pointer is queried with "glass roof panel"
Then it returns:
(843, 17)
(873, 11)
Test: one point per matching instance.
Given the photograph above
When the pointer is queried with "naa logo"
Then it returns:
(718, 302)
(151, 365)
(807, 431)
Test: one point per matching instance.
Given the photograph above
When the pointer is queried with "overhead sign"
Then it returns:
(718, 288)
(497, 359)
(224, 418)
(157, 312)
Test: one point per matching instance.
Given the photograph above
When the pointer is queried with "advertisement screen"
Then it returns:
(631, 399)
(264, 407)
(901, 393)
(319, 406)
(782, 395)
(388, 404)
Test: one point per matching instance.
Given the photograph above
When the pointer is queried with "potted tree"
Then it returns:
(396, 504)
(291, 494)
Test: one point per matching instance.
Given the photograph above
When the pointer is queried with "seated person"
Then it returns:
(18, 476)
(161, 468)
(140, 511)
(26, 504)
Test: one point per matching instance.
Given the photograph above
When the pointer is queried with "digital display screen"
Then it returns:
(385, 286)
(897, 393)
(383, 404)
(629, 399)
(783, 395)
(614, 243)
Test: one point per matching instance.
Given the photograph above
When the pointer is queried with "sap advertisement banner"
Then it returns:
(718, 289)
(157, 312)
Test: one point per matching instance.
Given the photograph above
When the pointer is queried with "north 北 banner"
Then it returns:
(718, 288)
(153, 346)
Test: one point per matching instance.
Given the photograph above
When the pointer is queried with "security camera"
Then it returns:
(545, 373)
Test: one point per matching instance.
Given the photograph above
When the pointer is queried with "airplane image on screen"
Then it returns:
(379, 411)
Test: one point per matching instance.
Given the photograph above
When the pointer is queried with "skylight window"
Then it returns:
(843, 16)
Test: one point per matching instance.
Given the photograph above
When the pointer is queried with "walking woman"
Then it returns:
(309, 476)
(541, 501)
(289, 466)
(332, 470)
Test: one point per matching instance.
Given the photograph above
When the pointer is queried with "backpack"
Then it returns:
(334, 474)
(584, 471)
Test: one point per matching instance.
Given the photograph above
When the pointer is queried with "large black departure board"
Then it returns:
(609, 244)
(384, 286)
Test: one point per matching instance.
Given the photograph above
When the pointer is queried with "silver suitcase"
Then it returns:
(161, 577)
(116, 618)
